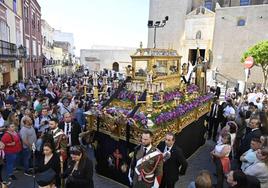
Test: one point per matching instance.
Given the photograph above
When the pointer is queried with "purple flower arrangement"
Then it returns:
(192, 88)
(115, 110)
(139, 117)
(168, 96)
(169, 115)
(180, 110)
(126, 95)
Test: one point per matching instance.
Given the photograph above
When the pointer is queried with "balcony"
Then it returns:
(50, 62)
(8, 50)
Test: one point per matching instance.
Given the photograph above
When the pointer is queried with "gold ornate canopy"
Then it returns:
(153, 99)
(162, 64)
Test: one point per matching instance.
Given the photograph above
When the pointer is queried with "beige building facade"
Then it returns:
(110, 58)
(237, 29)
(211, 26)
(11, 38)
(199, 28)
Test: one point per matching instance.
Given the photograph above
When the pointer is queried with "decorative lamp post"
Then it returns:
(95, 87)
(22, 54)
(105, 83)
(116, 84)
(85, 78)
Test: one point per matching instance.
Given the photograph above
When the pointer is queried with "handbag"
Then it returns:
(45, 178)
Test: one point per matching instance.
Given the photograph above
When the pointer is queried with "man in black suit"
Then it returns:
(214, 119)
(175, 163)
(71, 129)
(254, 124)
(217, 91)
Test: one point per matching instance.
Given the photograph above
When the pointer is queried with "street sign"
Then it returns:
(249, 62)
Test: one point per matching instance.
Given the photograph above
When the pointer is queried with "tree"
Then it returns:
(259, 52)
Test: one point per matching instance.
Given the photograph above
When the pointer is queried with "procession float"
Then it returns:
(153, 97)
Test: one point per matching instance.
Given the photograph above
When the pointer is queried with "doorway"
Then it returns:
(6, 79)
(192, 55)
(116, 67)
(20, 73)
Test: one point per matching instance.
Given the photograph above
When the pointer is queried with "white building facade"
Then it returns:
(111, 59)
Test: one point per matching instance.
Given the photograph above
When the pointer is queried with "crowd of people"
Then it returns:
(41, 121)
(239, 128)
(42, 118)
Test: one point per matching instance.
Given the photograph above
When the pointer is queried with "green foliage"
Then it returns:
(260, 54)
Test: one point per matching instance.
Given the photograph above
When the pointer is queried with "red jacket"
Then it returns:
(7, 139)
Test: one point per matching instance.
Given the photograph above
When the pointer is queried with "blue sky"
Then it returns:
(99, 22)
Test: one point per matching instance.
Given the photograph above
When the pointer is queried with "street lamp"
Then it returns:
(22, 51)
(21, 55)
(157, 24)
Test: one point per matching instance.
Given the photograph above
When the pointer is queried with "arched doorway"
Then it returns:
(116, 67)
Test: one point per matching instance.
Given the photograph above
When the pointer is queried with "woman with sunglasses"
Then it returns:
(79, 171)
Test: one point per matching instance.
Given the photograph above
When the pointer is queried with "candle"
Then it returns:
(156, 88)
(153, 88)
(162, 86)
(133, 87)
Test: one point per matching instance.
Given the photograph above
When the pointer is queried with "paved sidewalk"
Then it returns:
(200, 160)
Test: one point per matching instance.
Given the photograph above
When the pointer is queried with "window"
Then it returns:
(39, 50)
(15, 6)
(34, 48)
(38, 25)
(45, 40)
(208, 4)
(27, 47)
(244, 2)
(33, 20)
(26, 13)
(4, 31)
(18, 32)
(18, 37)
(241, 22)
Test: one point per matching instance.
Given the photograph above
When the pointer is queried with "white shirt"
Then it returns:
(2, 123)
(250, 157)
(260, 171)
(67, 131)
(167, 149)
(36, 102)
(147, 148)
(228, 111)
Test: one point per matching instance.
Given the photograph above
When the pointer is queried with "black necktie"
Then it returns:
(168, 148)
(144, 152)
(214, 110)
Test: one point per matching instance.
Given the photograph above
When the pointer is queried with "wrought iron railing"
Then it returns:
(7, 49)
(227, 81)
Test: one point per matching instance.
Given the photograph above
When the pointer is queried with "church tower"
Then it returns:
(171, 34)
